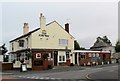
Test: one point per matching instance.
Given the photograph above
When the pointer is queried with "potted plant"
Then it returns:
(45, 56)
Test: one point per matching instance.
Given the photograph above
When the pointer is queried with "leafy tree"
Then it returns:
(3, 49)
(76, 45)
(117, 46)
(82, 48)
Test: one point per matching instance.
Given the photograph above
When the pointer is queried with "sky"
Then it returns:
(87, 19)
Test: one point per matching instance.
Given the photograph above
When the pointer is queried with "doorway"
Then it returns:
(55, 58)
(75, 58)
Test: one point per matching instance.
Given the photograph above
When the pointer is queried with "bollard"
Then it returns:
(102, 63)
(88, 63)
(84, 64)
(96, 63)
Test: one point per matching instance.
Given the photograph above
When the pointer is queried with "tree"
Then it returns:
(76, 45)
(82, 48)
(117, 46)
(3, 49)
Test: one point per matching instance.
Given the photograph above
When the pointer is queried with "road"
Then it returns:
(76, 73)
(109, 73)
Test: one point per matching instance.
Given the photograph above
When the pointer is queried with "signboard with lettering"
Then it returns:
(43, 34)
(23, 67)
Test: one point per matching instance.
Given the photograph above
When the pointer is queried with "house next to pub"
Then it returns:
(104, 44)
(48, 45)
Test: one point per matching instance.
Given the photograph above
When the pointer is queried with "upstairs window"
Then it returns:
(21, 43)
(63, 42)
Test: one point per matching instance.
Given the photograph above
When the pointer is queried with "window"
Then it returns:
(38, 63)
(93, 54)
(61, 58)
(90, 55)
(97, 55)
(63, 42)
(38, 55)
(82, 55)
(49, 55)
(21, 43)
(67, 56)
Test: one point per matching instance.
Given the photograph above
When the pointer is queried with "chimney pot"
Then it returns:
(42, 22)
(67, 27)
(25, 28)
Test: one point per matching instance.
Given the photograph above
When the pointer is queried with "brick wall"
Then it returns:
(6, 66)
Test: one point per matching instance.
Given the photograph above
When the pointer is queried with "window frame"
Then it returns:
(37, 55)
(63, 42)
(62, 58)
(21, 43)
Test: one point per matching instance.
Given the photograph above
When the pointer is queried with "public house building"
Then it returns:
(48, 45)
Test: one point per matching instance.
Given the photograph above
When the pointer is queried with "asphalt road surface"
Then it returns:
(69, 73)
(107, 73)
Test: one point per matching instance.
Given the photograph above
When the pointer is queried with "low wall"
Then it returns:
(6, 66)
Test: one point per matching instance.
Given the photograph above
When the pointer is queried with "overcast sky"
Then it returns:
(88, 20)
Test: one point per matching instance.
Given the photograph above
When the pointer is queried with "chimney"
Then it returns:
(67, 27)
(42, 22)
(25, 28)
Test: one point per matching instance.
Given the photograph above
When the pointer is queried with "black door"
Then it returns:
(104, 56)
(55, 58)
(75, 58)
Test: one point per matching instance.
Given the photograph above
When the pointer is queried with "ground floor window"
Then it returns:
(62, 58)
(38, 63)
(83, 56)
(38, 55)
(67, 56)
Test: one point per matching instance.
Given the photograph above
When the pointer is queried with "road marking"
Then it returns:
(47, 78)
(53, 78)
(37, 77)
(28, 77)
(33, 77)
(20, 76)
(41, 77)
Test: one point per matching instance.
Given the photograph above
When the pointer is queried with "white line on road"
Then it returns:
(37, 78)
(41, 77)
(33, 77)
(28, 77)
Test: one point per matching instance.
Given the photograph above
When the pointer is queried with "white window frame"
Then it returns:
(63, 42)
(90, 55)
(38, 54)
(94, 54)
(84, 54)
(62, 58)
(97, 55)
